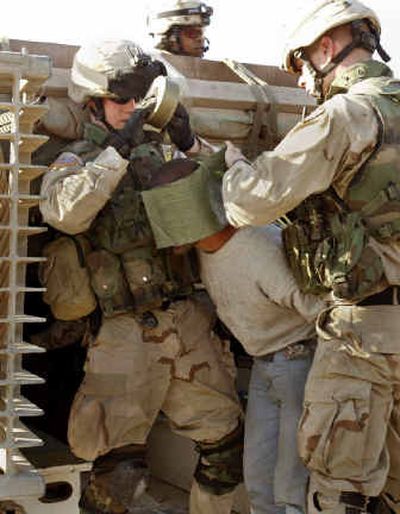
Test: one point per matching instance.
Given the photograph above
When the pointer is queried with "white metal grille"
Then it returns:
(21, 76)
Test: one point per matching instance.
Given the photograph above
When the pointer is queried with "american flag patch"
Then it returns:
(66, 160)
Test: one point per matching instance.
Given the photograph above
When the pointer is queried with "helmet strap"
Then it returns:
(368, 39)
(361, 38)
(318, 77)
(97, 109)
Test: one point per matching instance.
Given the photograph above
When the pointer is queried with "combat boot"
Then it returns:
(117, 479)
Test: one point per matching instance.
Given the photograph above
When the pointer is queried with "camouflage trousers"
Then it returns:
(133, 372)
(349, 432)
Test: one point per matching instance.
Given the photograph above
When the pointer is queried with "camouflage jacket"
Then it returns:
(341, 149)
(91, 190)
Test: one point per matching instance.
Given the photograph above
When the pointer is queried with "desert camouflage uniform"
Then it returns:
(134, 370)
(350, 429)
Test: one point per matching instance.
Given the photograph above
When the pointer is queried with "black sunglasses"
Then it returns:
(122, 100)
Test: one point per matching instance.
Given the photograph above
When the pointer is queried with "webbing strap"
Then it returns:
(266, 105)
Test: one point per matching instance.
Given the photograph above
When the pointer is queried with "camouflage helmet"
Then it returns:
(112, 69)
(179, 13)
(323, 16)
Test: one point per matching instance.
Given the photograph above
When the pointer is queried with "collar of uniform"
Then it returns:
(357, 73)
(95, 133)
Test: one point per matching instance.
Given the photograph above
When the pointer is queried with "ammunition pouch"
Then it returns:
(328, 246)
(301, 240)
(145, 275)
(108, 283)
(66, 278)
(346, 263)
(134, 281)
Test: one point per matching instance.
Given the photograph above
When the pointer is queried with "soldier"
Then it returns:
(155, 350)
(179, 28)
(338, 173)
(257, 297)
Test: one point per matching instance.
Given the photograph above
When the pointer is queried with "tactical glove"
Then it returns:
(131, 134)
(179, 129)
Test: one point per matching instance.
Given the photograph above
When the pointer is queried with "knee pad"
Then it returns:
(117, 479)
(220, 466)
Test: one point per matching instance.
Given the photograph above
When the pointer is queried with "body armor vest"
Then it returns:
(126, 271)
(328, 244)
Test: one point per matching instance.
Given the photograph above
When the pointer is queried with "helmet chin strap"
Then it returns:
(361, 38)
(97, 109)
(316, 75)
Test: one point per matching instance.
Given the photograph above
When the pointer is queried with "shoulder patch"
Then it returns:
(66, 160)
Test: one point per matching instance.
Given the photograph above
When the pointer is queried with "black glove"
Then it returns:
(131, 134)
(179, 129)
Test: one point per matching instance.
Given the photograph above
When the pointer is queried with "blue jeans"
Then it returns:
(274, 475)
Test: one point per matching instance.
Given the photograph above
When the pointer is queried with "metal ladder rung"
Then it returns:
(21, 437)
(23, 260)
(32, 113)
(22, 318)
(21, 348)
(22, 377)
(29, 143)
(23, 289)
(24, 230)
(7, 136)
(8, 106)
(30, 172)
(27, 112)
(23, 200)
(26, 171)
(20, 406)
